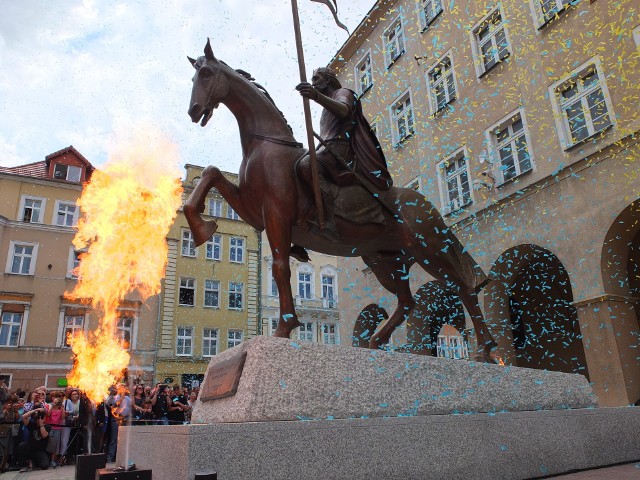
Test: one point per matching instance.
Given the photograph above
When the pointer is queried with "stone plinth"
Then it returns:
(288, 380)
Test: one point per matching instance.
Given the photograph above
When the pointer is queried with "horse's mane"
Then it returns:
(261, 89)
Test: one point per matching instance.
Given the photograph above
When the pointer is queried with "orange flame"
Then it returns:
(128, 208)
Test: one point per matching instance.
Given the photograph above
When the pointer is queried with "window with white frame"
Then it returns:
(212, 293)
(548, 10)
(234, 338)
(187, 293)
(442, 85)
(65, 214)
(184, 342)
(71, 173)
(273, 326)
(73, 262)
(32, 210)
(10, 329)
(305, 332)
(490, 42)
(124, 330)
(273, 292)
(429, 10)
(215, 207)
(213, 248)
(393, 39)
(510, 141)
(328, 291)
(231, 213)
(236, 250)
(209, 342)
(305, 282)
(402, 115)
(235, 295)
(454, 182)
(188, 245)
(583, 103)
(329, 334)
(364, 74)
(22, 258)
(73, 324)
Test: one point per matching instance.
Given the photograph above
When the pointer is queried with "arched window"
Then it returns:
(329, 279)
(305, 282)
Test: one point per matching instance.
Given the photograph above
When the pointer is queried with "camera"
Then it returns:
(42, 414)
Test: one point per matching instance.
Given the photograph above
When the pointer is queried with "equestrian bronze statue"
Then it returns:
(390, 228)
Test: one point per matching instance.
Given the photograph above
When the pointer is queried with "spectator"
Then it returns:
(193, 396)
(72, 408)
(13, 409)
(139, 400)
(103, 417)
(160, 402)
(35, 448)
(179, 405)
(55, 419)
(4, 394)
(121, 410)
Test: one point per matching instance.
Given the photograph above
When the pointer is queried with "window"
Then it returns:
(10, 329)
(402, 115)
(73, 262)
(32, 209)
(305, 283)
(22, 258)
(214, 248)
(583, 104)
(305, 332)
(70, 173)
(124, 329)
(65, 214)
(73, 324)
(393, 42)
(429, 10)
(235, 295)
(231, 213)
(510, 142)
(212, 293)
(548, 10)
(209, 342)
(490, 42)
(441, 84)
(188, 245)
(329, 334)
(236, 250)
(364, 74)
(215, 207)
(274, 286)
(234, 338)
(273, 326)
(187, 292)
(184, 342)
(328, 291)
(454, 182)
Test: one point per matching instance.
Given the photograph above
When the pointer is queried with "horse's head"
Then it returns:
(210, 86)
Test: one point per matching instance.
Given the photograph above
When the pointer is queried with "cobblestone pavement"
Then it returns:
(628, 471)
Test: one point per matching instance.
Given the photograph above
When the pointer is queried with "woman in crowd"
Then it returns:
(55, 419)
(139, 409)
(35, 448)
(193, 396)
(71, 406)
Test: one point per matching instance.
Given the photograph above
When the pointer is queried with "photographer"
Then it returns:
(160, 402)
(35, 448)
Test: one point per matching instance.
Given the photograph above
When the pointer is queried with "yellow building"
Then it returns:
(519, 121)
(315, 293)
(38, 214)
(210, 293)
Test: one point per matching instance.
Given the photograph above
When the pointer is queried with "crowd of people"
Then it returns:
(49, 428)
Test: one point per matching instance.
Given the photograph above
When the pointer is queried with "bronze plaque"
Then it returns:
(223, 378)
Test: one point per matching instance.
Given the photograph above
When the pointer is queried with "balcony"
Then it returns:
(330, 303)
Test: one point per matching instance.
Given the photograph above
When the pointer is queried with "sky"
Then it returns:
(83, 72)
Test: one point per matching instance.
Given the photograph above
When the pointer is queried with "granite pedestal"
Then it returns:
(307, 411)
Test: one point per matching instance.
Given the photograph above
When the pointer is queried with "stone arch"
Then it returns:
(620, 306)
(370, 317)
(530, 306)
(436, 305)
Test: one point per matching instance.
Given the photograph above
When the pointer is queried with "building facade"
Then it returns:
(38, 215)
(315, 292)
(519, 122)
(210, 295)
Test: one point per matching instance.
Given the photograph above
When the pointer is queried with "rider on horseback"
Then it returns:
(350, 151)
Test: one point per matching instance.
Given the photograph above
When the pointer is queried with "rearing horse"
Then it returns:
(270, 197)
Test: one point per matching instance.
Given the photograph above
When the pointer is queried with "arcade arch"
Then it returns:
(370, 317)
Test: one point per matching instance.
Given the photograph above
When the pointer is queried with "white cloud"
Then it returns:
(73, 72)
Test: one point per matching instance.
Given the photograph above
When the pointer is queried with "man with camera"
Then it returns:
(160, 403)
(35, 448)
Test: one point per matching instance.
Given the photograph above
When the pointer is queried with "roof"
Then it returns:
(36, 169)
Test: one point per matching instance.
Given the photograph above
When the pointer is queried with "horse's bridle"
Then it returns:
(279, 141)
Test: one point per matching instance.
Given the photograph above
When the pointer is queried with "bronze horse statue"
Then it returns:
(269, 196)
